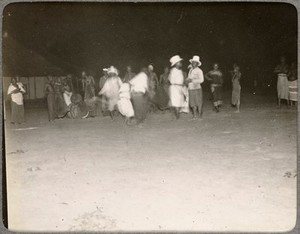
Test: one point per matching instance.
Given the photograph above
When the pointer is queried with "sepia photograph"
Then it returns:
(157, 116)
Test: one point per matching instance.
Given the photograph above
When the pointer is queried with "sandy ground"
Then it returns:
(229, 172)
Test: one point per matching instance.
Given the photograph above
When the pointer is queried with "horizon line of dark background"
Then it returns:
(61, 38)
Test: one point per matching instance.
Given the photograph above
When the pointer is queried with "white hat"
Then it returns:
(112, 69)
(196, 59)
(175, 59)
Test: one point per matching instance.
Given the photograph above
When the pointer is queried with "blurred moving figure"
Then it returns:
(129, 74)
(124, 104)
(215, 77)
(110, 90)
(139, 87)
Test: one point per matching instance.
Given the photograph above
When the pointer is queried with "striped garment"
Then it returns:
(293, 90)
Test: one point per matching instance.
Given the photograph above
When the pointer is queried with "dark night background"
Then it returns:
(62, 38)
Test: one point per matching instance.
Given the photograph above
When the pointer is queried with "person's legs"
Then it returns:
(13, 112)
(21, 114)
(144, 107)
(112, 114)
(194, 112)
(219, 91)
(51, 103)
(138, 107)
(193, 101)
(215, 100)
(200, 105)
(238, 106)
(177, 112)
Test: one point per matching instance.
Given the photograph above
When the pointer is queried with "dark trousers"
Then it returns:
(139, 106)
(217, 95)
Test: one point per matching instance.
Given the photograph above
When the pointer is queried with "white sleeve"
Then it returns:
(21, 87)
(11, 88)
(104, 89)
(197, 76)
(170, 78)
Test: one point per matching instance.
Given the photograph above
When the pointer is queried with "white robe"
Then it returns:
(124, 104)
(176, 90)
(111, 91)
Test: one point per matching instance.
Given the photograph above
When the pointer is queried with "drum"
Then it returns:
(76, 98)
(78, 111)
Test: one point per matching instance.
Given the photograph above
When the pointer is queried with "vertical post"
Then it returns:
(34, 83)
(28, 87)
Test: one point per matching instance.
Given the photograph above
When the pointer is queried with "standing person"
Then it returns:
(81, 84)
(152, 83)
(164, 79)
(16, 91)
(139, 87)
(111, 89)
(129, 74)
(215, 76)
(124, 104)
(67, 92)
(101, 85)
(194, 80)
(89, 93)
(70, 81)
(176, 78)
(50, 94)
(153, 80)
(293, 84)
(282, 81)
(236, 88)
(103, 78)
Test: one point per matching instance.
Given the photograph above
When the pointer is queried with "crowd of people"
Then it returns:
(134, 95)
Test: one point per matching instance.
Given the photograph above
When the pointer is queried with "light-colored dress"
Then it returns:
(282, 82)
(176, 91)
(293, 85)
(124, 104)
(111, 91)
(236, 89)
(282, 86)
(293, 90)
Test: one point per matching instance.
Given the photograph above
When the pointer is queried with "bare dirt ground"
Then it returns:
(229, 172)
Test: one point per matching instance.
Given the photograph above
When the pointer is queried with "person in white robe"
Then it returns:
(176, 89)
(111, 90)
(124, 104)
